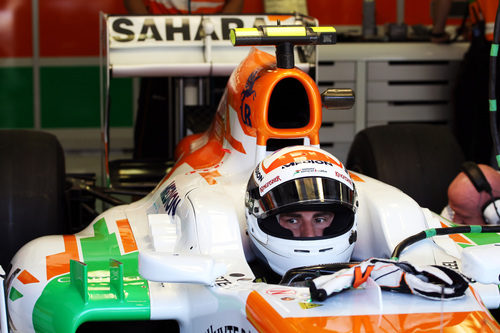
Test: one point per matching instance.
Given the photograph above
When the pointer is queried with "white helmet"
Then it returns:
(293, 179)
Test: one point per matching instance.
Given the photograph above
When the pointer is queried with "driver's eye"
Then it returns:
(292, 220)
(319, 220)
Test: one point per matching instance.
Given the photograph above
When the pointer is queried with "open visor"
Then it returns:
(310, 193)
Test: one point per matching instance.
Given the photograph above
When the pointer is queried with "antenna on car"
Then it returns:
(284, 37)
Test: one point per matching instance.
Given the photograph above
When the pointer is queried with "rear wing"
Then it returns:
(181, 46)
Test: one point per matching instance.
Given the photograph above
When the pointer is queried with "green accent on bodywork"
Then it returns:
(61, 308)
(498, 160)
(78, 276)
(14, 294)
(482, 238)
(493, 105)
(479, 238)
(116, 279)
(430, 233)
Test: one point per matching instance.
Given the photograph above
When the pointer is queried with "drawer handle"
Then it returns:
(415, 83)
(416, 62)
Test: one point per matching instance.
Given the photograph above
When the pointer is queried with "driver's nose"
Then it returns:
(306, 228)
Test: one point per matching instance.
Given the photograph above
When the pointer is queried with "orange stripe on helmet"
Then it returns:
(298, 156)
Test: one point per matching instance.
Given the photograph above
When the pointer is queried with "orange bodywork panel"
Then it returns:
(58, 264)
(260, 74)
(266, 319)
(257, 75)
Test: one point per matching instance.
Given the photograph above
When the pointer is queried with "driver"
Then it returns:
(300, 206)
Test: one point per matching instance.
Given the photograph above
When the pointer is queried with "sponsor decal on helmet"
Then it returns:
(308, 161)
(269, 183)
(308, 170)
(258, 174)
(289, 165)
(344, 177)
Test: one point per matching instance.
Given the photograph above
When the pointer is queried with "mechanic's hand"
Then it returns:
(433, 282)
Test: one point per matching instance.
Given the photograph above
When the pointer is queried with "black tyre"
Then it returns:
(419, 159)
(31, 189)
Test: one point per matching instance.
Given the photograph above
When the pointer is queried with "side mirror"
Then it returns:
(179, 268)
(338, 98)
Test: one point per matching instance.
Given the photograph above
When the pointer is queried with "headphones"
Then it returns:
(491, 209)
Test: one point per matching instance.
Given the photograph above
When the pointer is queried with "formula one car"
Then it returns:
(182, 256)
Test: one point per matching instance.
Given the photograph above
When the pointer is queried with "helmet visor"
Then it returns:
(309, 193)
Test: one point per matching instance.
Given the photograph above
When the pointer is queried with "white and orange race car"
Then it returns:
(180, 258)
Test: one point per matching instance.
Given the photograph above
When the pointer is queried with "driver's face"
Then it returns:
(305, 223)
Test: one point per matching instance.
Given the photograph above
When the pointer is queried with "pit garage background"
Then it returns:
(49, 74)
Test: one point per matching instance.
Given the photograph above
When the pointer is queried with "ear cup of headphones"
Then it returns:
(490, 210)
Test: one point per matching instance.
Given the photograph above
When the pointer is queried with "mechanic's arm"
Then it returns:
(442, 9)
(135, 7)
(233, 7)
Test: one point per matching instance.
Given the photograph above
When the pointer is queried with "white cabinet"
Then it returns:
(392, 82)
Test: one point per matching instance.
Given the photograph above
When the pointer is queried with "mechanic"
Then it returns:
(482, 17)
(300, 207)
(474, 196)
(153, 124)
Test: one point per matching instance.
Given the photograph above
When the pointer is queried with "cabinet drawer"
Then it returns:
(412, 70)
(397, 91)
(338, 115)
(323, 85)
(336, 132)
(336, 70)
(388, 112)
